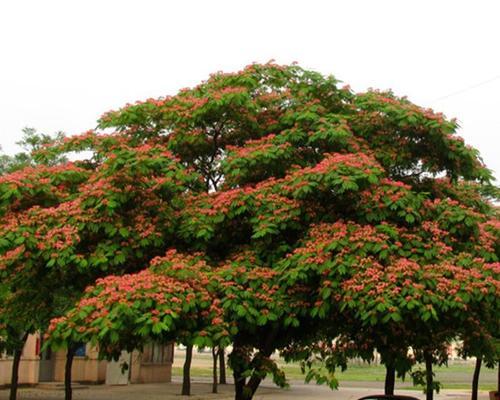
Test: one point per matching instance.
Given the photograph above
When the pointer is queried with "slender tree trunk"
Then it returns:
(70, 354)
(475, 378)
(14, 379)
(222, 367)
(390, 379)
(186, 375)
(238, 368)
(15, 375)
(429, 378)
(215, 355)
(239, 385)
(498, 380)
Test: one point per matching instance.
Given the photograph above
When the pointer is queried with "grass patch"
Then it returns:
(196, 371)
(455, 376)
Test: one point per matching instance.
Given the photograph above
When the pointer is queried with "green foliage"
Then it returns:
(31, 142)
(419, 378)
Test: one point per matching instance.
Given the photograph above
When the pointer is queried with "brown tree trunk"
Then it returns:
(239, 385)
(15, 374)
(186, 373)
(475, 378)
(215, 355)
(222, 367)
(390, 379)
(429, 378)
(238, 368)
(14, 379)
(498, 380)
(70, 354)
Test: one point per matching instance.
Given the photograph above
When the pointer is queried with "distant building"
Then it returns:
(154, 364)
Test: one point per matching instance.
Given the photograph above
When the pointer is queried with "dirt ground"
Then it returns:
(201, 391)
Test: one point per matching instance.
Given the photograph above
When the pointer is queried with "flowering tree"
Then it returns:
(316, 215)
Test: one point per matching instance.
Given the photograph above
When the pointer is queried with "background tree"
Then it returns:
(31, 141)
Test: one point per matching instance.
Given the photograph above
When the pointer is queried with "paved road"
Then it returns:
(201, 391)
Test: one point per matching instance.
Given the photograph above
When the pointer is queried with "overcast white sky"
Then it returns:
(63, 63)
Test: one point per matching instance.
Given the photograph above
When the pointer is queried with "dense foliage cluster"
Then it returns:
(268, 209)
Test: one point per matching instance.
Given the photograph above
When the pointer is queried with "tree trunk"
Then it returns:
(498, 380)
(390, 379)
(246, 391)
(253, 385)
(70, 354)
(215, 355)
(238, 368)
(14, 379)
(15, 374)
(239, 385)
(429, 390)
(222, 367)
(186, 377)
(475, 378)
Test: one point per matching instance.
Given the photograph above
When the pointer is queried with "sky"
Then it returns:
(64, 63)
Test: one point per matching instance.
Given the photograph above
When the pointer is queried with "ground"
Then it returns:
(201, 391)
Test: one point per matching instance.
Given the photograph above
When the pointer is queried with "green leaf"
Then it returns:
(124, 232)
(241, 311)
(409, 218)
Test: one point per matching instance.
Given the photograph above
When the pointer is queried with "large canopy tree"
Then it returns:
(316, 214)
